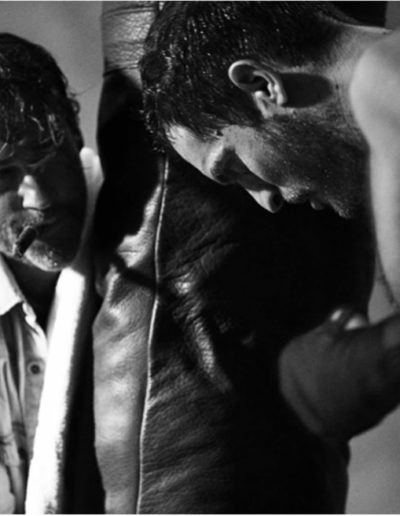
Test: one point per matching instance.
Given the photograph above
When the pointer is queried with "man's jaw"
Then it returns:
(47, 239)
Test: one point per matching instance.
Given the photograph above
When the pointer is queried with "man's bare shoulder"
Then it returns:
(375, 86)
(381, 56)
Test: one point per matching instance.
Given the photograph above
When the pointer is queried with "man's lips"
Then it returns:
(316, 204)
(42, 223)
(43, 216)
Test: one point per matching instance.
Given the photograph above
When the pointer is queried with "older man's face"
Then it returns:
(43, 189)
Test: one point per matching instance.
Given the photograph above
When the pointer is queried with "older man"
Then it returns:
(44, 209)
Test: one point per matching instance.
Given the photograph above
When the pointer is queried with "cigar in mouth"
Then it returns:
(25, 240)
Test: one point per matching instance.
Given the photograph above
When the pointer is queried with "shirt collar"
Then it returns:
(10, 293)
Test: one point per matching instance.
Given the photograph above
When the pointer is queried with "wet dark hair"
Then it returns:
(35, 99)
(191, 45)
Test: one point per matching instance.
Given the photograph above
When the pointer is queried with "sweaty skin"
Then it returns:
(374, 94)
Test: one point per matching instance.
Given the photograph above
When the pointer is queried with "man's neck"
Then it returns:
(37, 286)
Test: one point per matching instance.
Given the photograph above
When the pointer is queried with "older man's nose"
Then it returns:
(31, 193)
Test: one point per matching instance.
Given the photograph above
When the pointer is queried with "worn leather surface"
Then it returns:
(127, 220)
(202, 289)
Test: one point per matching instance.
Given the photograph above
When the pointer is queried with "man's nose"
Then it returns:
(268, 198)
(274, 201)
(31, 193)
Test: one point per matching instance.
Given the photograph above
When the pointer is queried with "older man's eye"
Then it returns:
(8, 176)
(6, 172)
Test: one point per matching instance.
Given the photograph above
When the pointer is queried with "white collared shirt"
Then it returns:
(23, 350)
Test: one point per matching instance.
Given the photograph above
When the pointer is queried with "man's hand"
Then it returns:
(343, 377)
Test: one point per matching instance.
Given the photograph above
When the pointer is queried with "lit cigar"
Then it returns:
(25, 240)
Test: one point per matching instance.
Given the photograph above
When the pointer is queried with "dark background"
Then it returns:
(71, 31)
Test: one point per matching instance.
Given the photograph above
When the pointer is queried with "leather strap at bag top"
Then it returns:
(124, 29)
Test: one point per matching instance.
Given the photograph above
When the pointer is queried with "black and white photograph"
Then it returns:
(199, 257)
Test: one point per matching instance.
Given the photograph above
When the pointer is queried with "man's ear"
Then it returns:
(262, 83)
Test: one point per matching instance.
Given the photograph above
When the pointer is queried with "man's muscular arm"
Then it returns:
(375, 98)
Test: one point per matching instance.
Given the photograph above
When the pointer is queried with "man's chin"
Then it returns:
(348, 211)
(344, 213)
